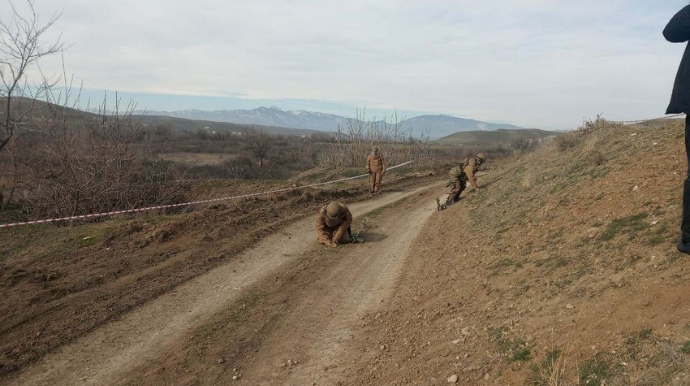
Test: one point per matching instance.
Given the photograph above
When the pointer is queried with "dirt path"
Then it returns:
(317, 330)
(359, 279)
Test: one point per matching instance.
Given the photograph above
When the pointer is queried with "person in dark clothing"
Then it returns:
(678, 31)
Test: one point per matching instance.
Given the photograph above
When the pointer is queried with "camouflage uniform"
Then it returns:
(461, 174)
(376, 166)
(334, 231)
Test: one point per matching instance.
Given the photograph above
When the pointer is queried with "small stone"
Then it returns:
(221, 360)
(453, 379)
(569, 306)
(487, 376)
(636, 188)
(456, 341)
(465, 331)
(467, 356)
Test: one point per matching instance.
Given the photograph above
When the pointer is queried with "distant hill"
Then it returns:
(266, 116)
(437, 125)
(443, 125)
(500, 137)
(193, 125)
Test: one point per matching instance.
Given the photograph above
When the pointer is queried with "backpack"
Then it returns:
(458, 172)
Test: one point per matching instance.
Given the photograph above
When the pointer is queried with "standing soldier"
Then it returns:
(333, 225)
(376, 166)
(462, 173)
(678, 31)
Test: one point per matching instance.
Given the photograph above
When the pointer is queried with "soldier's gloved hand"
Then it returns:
(335, 242)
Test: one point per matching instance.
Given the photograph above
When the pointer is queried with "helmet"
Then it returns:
(375, 149)
(481, 156)
(333, 209)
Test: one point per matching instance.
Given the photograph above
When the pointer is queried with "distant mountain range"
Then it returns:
(438, 125)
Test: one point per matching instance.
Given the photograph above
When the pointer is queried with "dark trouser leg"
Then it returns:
(457, 189)
(685, 225)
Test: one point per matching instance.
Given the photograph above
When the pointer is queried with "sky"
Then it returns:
(533, 63)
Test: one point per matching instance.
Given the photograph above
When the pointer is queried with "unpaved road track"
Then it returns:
(354, 280)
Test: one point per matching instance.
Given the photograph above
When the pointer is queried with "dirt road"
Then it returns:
(327, 297)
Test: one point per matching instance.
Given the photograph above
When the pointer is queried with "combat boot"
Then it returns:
(683, 246)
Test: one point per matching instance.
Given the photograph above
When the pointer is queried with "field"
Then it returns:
(562, 270)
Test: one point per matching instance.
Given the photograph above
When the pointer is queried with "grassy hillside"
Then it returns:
(561, 271)
(501, 137)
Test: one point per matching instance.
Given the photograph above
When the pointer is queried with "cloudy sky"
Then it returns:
(537, 63)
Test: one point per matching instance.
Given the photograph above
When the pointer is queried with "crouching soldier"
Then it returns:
(461, 174)
(333, 225)
(376, 166)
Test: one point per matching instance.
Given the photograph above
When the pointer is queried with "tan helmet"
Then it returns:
(481, 157)
(375, 149)
(333, 209)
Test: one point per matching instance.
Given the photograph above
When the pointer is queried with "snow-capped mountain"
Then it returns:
(437, 125)
(267, 116)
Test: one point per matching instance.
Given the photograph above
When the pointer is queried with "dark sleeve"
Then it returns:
(678, 29)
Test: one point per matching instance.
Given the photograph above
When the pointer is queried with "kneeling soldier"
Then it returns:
(333, 225)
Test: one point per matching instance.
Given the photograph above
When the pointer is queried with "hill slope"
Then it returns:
(500, 137)
(443, 125)
(562, 271)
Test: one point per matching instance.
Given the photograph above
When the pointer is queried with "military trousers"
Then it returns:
(375, 180)
(459, 187)
(685, 224)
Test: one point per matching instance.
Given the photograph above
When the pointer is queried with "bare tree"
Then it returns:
(21, 46)
(259, 143)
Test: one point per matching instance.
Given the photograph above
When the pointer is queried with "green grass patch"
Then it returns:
(685, 348)
(594, 372)
(515, 350)
(629, 224)
(658, 236)
(548, 371)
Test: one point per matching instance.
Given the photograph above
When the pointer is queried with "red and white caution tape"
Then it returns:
(652, 119)
(137, 210)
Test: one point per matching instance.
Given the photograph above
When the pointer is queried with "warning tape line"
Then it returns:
(137, 210)
(653, 119)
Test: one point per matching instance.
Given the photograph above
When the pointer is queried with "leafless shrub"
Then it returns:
(524, 145)
(355, 139)
(573, 138)
(86, 164)
(259, 143)
(566, 141)
(236, 168)
(597, 157)
(22, 45)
